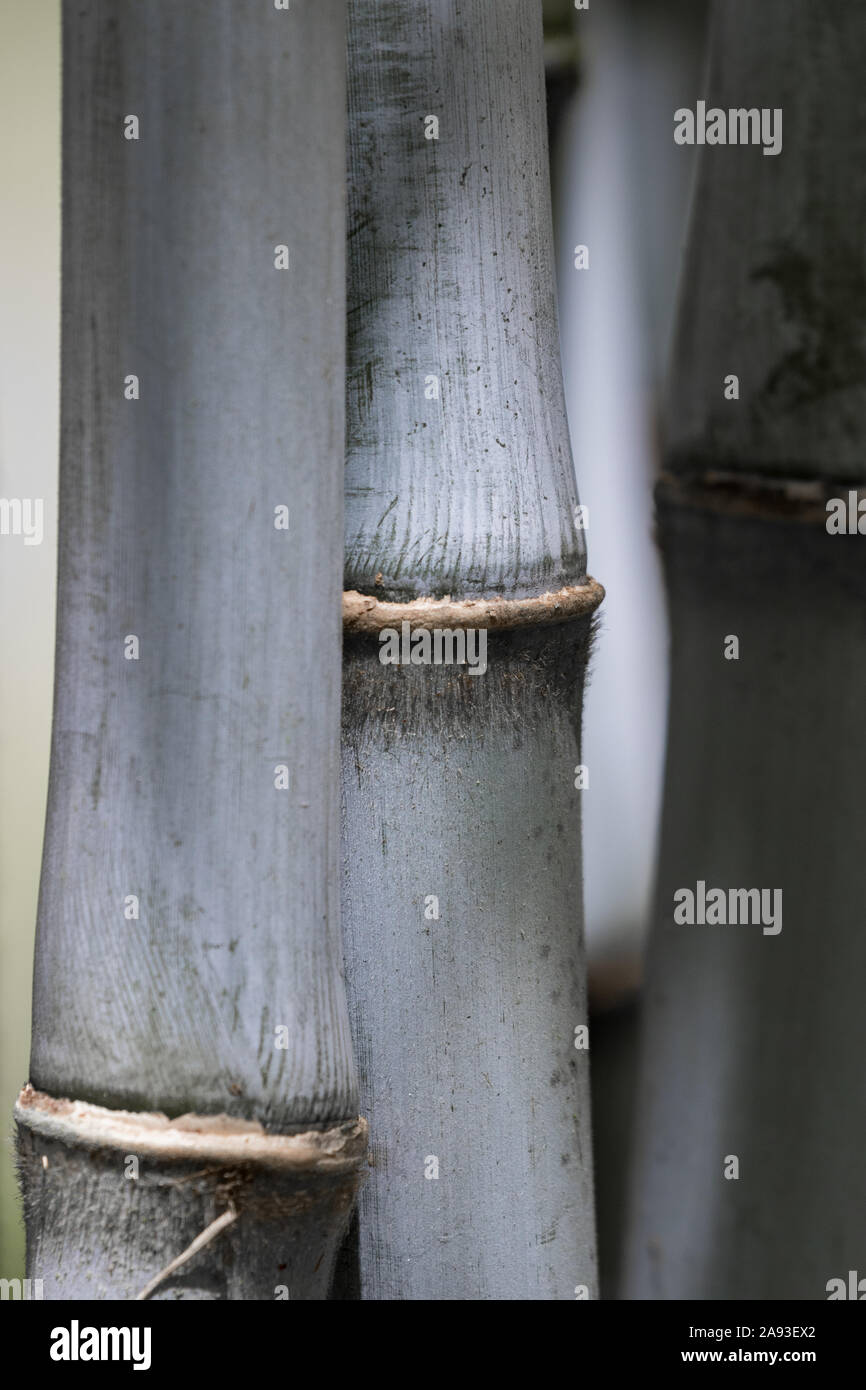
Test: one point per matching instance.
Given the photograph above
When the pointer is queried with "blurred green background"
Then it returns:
(29, 387)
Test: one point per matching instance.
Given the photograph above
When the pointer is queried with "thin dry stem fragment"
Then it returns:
(208, 1234)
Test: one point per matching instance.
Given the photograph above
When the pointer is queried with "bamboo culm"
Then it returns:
(461, 818)
(747, 1173)
(188, 957)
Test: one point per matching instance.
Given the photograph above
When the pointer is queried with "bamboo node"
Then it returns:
(365, 615)
(221, 1139)
(800, 500)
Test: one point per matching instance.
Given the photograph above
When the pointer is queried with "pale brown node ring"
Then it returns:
(365, 615)
(219, 1139)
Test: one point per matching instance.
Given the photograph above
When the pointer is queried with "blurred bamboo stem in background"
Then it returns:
(747, 1176)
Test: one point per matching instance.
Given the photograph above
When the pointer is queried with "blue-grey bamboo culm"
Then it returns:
(461, 822)
(188, 966)
(754, 1037)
